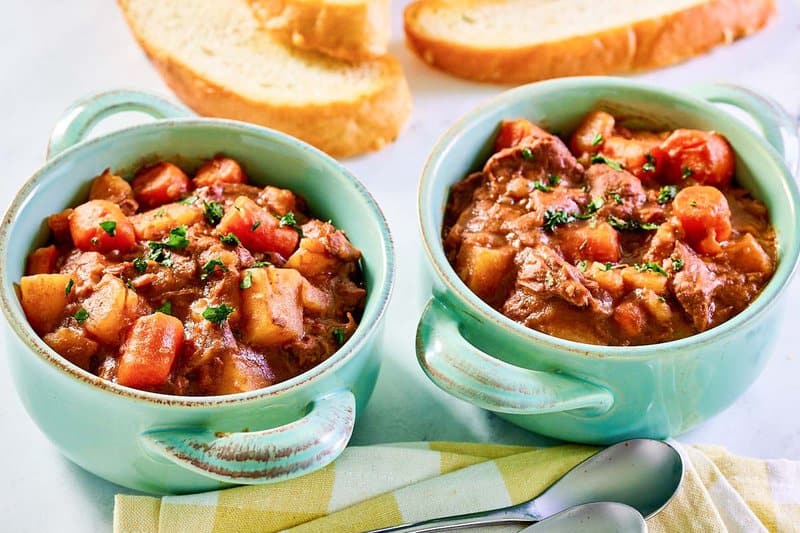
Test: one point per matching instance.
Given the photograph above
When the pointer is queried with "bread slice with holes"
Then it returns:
(214, 55)
(353, 30)
(518, 41)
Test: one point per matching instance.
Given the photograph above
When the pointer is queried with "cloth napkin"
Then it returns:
(377, 486)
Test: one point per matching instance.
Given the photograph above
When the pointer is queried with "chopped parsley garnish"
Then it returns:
(213, 212)
(177, 238)
(608, 266)
(597, 139)
(211, 267)
(582, 265)
(81, 315)
(95, 241)
(217, 315)
(68, 288)
(255, 225)
(289, 220)
(693, 203)
(599, 158)
(630, 225)
(165, 308)
(554, 179)
(230, 239)
(553, 218)
(592, 208)
(261, 264)
(247, 280)
(616, 197)
(158, 253)
(527, 155)
(666, 194)
(161, 212)
(140, 265)
(686, 172)
(650, 165)
(338, 335)
(677, 263)
(651, 267)
(189, 200)
(539, 186)
(109, 226)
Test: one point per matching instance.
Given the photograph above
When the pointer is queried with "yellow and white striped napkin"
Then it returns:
(377, 486)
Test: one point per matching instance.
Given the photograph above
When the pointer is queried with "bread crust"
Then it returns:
(642, 45)
(345, 128)
(349, 31)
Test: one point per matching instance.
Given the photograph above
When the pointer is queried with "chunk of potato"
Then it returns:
(608, 279)
(243, 371)
(653, 281)
(312, 258)
(42, 260)
(748, 256)
(156, 223)
(315, 301)
(272, 307)
(43, 298)
(484, 270)
(112, 308)
(73, 345)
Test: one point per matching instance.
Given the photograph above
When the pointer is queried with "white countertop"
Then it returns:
(52, 53)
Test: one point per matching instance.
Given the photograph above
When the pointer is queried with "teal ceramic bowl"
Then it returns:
(595, 394)
(173, 444)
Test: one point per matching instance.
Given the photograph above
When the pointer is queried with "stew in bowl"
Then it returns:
(615, 237)
(201, 286)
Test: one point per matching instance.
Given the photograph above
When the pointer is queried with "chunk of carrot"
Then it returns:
(513, 131)
(160, 184)
(42, 261)
(705, 217)
(258, 230)
(703, 156)
(150, 350)
(598, 242)
(101, 226)
(219, 170)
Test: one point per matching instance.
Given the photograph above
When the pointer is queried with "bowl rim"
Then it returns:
(473, 305)
(363, 334)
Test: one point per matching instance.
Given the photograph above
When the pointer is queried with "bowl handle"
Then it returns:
(276, 454)
(82, 116)
(466, 372)
(778, 126)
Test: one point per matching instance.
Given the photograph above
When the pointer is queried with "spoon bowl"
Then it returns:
(600, 517)
(641, 473)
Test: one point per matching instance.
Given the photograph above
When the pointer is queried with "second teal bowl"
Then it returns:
(581, 392)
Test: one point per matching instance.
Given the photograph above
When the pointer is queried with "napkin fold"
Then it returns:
(376, 486)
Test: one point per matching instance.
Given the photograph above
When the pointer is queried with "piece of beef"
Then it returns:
(536, 159)
(694, 286)
(621, 191)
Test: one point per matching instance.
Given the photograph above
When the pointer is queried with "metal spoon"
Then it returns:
(601, 517)
(642, 473)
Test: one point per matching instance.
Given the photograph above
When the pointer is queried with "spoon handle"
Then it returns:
(450, 523)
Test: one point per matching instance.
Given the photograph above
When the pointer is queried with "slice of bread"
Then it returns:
(218, 60)
(353, 30)
(518, 41)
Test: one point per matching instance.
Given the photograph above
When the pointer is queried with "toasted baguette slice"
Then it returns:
(353, 30)
(218, 60)
(518, 41)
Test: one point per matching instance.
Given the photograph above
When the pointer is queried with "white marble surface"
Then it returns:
(52, 53)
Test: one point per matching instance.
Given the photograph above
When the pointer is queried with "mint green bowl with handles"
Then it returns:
(175, 444)
(597, 394)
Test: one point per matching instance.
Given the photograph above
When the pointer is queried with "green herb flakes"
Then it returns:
(213, 212)
(677, 263)
(666, 194)
(230, 239)
(217, 315)
(650, 267)
(165, 308)
(109, 226)
(211, 267)
(526, 153)
(553, 218)
(68, 288)
(81, 315)
(140, 265)
(177, 238)
(338, 335)
(599, 158)
(247, 280)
